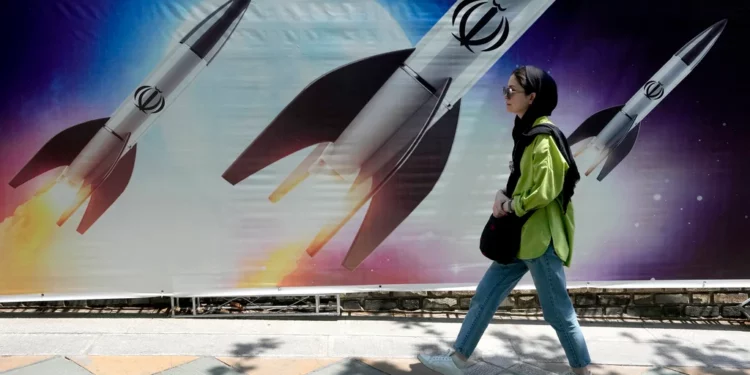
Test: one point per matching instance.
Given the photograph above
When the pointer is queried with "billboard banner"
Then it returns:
(196, 146)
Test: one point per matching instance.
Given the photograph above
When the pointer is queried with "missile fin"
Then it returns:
(593, 125)
(320, 113)
(369, 186)
(298, 175)
(408, 187)
(109, 190)
(619, 153)
(59, 151)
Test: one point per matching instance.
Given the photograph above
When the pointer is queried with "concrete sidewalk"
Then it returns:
(352, 346)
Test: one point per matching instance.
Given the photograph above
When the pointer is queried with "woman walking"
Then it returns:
(546, 245)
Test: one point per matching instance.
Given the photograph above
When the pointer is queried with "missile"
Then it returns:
(612, 132)
(99, 155)
(386, 123)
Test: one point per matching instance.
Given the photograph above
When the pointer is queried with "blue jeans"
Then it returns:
(549, 279)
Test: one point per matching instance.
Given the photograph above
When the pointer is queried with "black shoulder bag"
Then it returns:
(501, 237)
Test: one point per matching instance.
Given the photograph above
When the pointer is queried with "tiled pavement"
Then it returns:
(343, 346)
(191, 365)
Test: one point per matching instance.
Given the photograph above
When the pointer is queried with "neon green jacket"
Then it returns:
(543, 169)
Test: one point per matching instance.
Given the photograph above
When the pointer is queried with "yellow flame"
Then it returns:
(61, 197)
(282, 260)
(287, 185)
(26, 238)
(308, 235)
(272, 270)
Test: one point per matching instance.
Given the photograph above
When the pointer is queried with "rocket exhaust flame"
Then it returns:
(27, 236)
(281, 262)
(272, 265)
(63, 197)
(613, 131)
(99, 154)
(390, 118)
(355, 199)
(80, 197)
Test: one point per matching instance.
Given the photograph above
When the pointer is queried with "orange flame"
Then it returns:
(272, 270)
(283, 260)
(26, 238)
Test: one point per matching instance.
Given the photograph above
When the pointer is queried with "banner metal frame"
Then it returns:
(346, 289)
(745, 308)
(195, 304)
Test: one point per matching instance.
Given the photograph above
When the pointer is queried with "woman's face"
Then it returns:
(516, 101)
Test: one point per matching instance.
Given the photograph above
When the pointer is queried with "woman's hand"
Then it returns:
(497, 207)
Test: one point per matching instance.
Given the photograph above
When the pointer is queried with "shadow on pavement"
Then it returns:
(246, 351)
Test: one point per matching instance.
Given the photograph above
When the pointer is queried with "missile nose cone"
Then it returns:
(209, 36)
(720, 25)
(692, 52)
(240, 4)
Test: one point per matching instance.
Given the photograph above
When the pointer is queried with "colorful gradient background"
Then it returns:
(676, 209)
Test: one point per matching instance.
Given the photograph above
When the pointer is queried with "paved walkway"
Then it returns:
(352, 346)
(186, 365)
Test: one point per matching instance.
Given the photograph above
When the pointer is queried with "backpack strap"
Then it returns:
(560, 140)
(572, 176)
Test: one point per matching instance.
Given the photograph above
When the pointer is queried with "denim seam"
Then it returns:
(551, 299)
(480, 310)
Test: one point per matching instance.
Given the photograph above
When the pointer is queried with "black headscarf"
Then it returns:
(535, 80)
(539, 82)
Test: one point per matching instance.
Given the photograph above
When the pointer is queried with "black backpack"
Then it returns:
(501, 237)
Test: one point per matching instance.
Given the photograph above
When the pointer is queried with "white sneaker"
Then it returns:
(442, 364)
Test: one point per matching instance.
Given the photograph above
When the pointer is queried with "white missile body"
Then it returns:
(99, 155)
(438, 57)
(614, 130)
(386, 123)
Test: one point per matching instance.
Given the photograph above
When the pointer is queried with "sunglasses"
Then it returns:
(508, 92)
